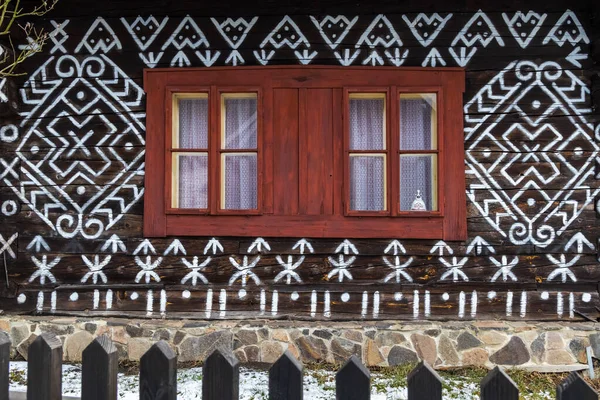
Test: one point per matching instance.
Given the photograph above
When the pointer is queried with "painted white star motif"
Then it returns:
(244, 271)
(43, 269)
(288, 269)
(563, 268)
(505, 268)
(195, 273)
(95, 268)
(455, 269)
(398, 267)
(341, 267)
(147, 267)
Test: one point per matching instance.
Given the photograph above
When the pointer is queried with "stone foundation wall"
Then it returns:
(447, 344)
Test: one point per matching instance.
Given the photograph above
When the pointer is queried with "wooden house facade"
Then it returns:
(504, 225)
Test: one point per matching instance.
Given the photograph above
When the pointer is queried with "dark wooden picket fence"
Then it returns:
(220, 380)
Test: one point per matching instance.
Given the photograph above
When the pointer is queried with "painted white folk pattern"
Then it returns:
(196, 270)
(144, 32)
(234, 31)
(244, 270)
(60, 187)
(396, 248)
(524, 26)
(100, 37)
(382, 34)
(285, 34)
(6, 245)
(567, 29)
(333, 30)
(3, 88)
(58, 36)
(543, 90)
(95, 269)
(188, 35)
(341, 263)
(427, 27)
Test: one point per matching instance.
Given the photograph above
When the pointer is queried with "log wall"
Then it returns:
(72, 165)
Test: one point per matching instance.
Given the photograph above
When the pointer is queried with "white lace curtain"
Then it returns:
(240, 170)
(367, 172)
(416, 171)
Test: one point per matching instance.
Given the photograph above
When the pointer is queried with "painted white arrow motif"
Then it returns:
(115, 244)
(151, 59)
(305, 57)
(208, 58)
(346, 246)
(581, 240)
(302, 243)
(440, 247)
(213, 245)
(464, 58)
(433, 58)
(396, 246)
(38, 243)
(397, 58)
(348, 57)
(263, 57)
(176, 247)
(180, 59)
(145, 247)
(478, 244)
(575, 56)
(258, 244)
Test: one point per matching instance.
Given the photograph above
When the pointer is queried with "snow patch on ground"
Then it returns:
(318, 385)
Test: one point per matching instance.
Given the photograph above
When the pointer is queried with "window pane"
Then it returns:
(239, 181)
(193, 123)
(190, 180)
(367, 183)
(239, 113)
(418, 122)
(367, 121)
(418, 182)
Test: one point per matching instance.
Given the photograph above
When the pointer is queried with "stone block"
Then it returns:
(474, 357)
(372, 356)
(342, 349)
(23, 347)
(75, 344)
(312, 349)
(280, 335)
(554, 341)
(577, 347)
(467, 341)
(137, 347)
(197, 348)
(355, 336)
(18, 333)
(401, 355)
(514, 353)
(559, 357)
(246, 337)
(447, 351)
(492, 338)
(252, 354)
(389, 338)
(425, 347)
(538, 348)
(270, 351)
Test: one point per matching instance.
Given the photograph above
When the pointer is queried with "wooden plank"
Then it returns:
(319, 162)
(44, 368)
(424, 383)
(221, 376)
(285, 151)
(285, 379)
(497, 385)
(100, 365)
(4, 364)
(575, 388)
(353, 381)
(158, 373)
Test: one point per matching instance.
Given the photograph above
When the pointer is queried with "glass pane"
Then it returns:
(193, 123)
(239, 178)
(239, 113)
(367, 182)
(418, 182)
(367, 121)
(190, 180)
(418, 121)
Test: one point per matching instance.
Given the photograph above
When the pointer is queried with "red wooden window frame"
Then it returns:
(303, 188)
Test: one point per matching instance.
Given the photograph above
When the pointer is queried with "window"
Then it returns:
(305, 151)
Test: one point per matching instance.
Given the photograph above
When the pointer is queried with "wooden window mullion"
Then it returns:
(214, 143)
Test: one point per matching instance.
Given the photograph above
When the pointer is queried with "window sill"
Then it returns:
(316, 226)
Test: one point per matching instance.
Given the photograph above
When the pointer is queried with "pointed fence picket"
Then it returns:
(220, 381)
